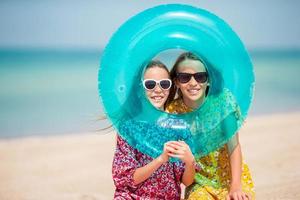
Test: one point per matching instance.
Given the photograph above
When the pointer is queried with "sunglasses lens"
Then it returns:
(165, 84)
(150, 84)
(183, 77)
(200, 77)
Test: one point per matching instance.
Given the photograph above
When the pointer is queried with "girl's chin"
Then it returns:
(194, 97)
(157, 105)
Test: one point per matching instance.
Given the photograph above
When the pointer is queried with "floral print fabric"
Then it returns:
(164, 183)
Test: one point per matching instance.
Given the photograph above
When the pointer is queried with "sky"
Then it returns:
(89, 24)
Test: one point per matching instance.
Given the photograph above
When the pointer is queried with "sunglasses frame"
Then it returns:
(157, 83)
(192, 75)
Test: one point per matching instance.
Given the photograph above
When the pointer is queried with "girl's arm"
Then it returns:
(143, 173)
(182, 151)
(189, 173)
(126, 169)
(235, 191)
(124, 165)
(236, 168)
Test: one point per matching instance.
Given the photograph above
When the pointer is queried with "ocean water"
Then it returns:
(277, 86)
(46, 92)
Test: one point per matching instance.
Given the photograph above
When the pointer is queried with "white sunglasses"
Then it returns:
(150, 84)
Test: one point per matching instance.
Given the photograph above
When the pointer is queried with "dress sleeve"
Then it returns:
(178, 170)
(124, 165)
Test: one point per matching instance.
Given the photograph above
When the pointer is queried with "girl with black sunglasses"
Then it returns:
(223, 174)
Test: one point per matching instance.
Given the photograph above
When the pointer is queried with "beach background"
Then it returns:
(50, 143)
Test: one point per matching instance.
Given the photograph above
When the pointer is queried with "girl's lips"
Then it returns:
(194, 91)
(157, 98)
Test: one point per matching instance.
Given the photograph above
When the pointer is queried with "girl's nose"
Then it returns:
(193, 81)
(157, 89)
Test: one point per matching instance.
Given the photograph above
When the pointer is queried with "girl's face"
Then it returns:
(193, 91)
(159, 91)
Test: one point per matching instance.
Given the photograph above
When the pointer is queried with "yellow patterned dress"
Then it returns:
(213, 180)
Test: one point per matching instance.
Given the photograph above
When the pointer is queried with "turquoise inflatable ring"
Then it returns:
(158, 29)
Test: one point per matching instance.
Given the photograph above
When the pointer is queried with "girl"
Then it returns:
(223, 175)
(138, 176)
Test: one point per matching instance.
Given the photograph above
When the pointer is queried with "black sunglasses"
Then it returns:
(200, 77)
(150, 84)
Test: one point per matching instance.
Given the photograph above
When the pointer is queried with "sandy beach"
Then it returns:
(78, 166)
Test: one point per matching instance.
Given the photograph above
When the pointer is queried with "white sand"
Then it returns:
(79, 166)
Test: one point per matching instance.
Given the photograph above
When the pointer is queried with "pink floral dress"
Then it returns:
(164, 183)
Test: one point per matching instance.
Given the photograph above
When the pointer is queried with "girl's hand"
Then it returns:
(237, 194)
(179, 149)
(164, 157)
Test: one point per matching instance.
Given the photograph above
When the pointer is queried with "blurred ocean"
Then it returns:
(45, 92)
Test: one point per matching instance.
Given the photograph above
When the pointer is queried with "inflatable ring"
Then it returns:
(158, 29)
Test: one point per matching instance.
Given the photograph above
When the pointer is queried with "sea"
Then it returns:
(54, 91)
